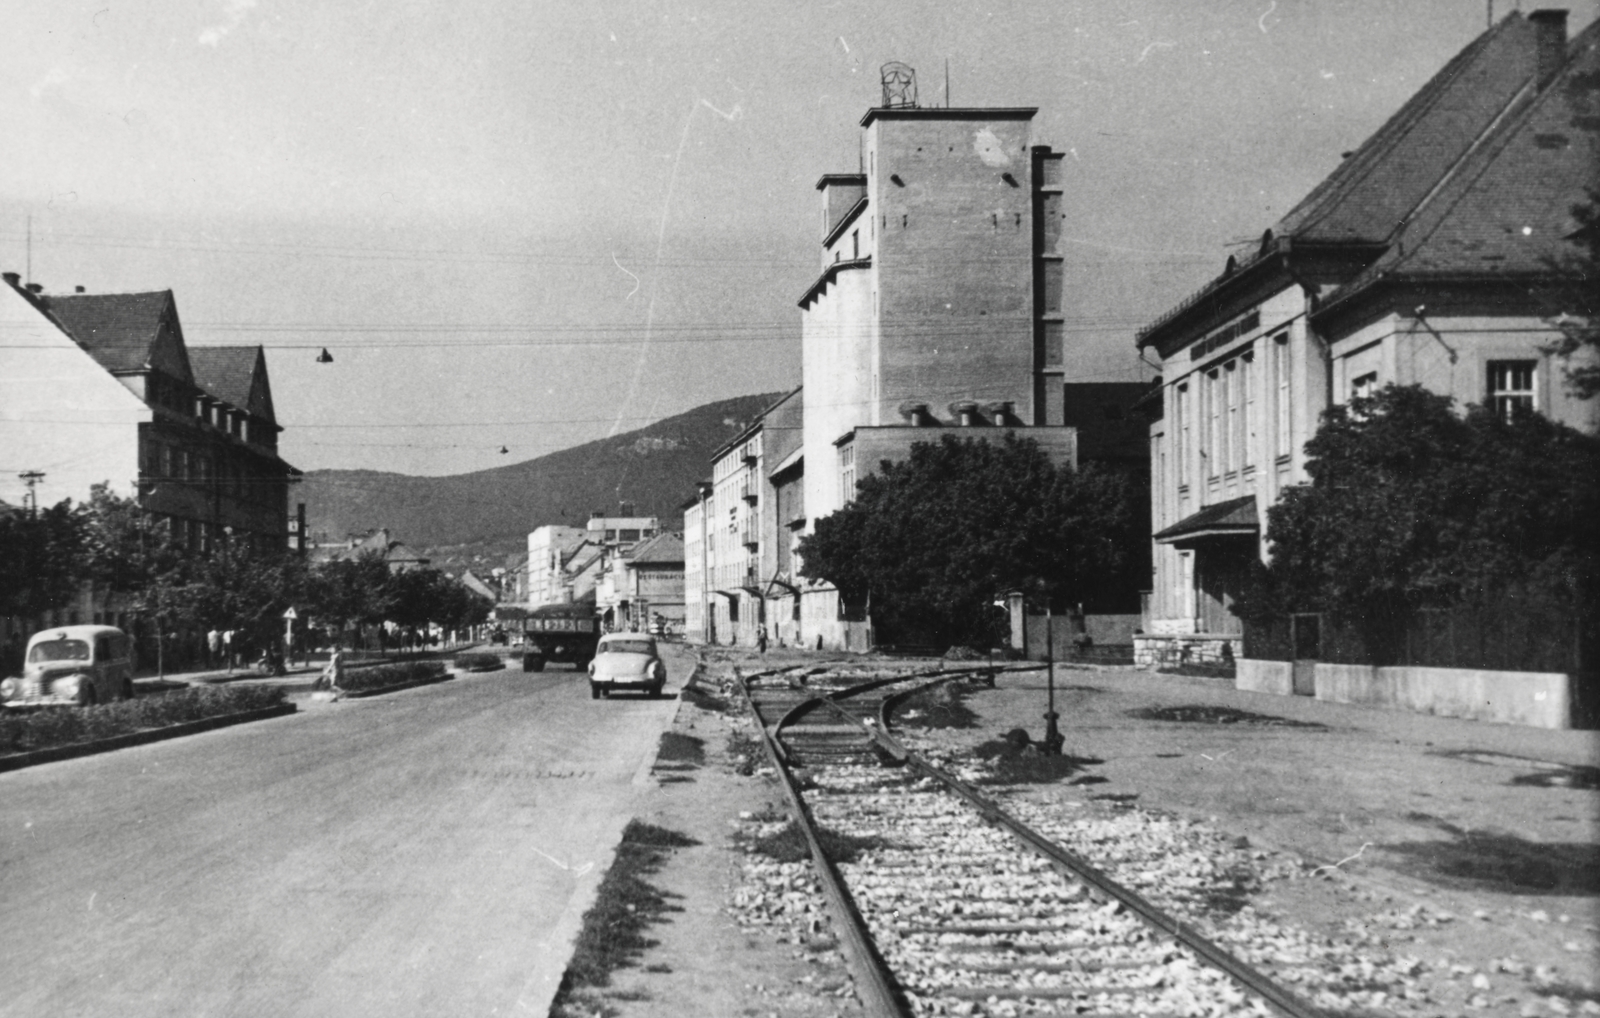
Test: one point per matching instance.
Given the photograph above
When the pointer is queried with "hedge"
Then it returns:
(378, 676)
(26, 732)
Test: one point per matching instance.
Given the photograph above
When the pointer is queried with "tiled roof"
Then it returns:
(662, 549)
(118, 329)
(226, 372)
(1507, 209)
(1372, 191)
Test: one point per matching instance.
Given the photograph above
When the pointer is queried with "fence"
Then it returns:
(1511, 634)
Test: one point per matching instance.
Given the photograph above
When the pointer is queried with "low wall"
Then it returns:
(1151, 651)
(1538, 699)
(1256, 676)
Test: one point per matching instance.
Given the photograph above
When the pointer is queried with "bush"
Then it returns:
(65, 726)
(382, 676)
(479, 662)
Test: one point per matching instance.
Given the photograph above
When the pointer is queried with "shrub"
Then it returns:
(65, 726)
(479, 662)
(381, 676)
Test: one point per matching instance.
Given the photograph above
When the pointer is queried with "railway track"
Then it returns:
(966, 906)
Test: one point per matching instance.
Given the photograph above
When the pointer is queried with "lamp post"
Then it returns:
(1053, 739)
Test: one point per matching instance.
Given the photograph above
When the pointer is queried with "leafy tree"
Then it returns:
(1414, 506)
(126, 548)
(929, 543)
(41, 558)
(1576, 300)
(420, 596)
(349, 592)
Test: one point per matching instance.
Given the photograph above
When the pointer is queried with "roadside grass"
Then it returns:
(747, 752)
(625, 906)
(479, 662)
(358, 680)
(1201, 671)
(25, 732)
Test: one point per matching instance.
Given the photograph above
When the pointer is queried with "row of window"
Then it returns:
(1223, 401)
(166, 461)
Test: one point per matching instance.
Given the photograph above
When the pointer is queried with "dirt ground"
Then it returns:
(1470, 847)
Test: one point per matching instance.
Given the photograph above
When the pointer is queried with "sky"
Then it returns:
(527, 225)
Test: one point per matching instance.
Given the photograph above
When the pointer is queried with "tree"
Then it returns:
(1576, 301)
(1414, 506)
(931, 542)
(349, 592)
(41, 558)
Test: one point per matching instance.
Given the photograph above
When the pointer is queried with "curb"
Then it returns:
(413, 684)
(18, 761)
(641, 777)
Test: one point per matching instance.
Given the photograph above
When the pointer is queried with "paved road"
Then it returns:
(423, 853)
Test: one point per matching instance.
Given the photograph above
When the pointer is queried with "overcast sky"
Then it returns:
(531, 224)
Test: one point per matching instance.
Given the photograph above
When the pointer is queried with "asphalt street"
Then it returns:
(423, 853)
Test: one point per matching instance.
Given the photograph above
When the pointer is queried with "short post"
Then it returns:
(1053, 739)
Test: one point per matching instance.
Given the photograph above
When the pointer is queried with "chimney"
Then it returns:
(36, 288)
(14, 278)
(965, 411)
(1550, 33)
(78, 289)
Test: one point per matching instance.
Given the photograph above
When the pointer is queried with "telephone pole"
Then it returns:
(31, 499)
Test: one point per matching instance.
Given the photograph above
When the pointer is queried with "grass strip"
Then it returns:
(356, 680)
(625, 906)
(30, 731)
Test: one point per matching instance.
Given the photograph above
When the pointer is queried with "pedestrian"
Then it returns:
(761, 638)
(227, 648)
(213, 647)
(331, 675)
(288, 645)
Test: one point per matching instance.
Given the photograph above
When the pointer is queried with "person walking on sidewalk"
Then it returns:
(213, 647)
(227, 648)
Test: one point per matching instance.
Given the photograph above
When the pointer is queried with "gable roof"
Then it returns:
(662, 549)
(119, 330)
(226, 372)
(1377, 186)
(1506, 210)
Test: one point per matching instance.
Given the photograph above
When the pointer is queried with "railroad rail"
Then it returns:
(949, 916)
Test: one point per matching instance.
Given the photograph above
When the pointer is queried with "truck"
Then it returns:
(564, 633)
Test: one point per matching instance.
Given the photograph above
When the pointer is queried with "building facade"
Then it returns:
(938, 306)
(1425, 258)
(102, 389)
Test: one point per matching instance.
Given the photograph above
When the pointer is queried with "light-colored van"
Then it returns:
(72, 665)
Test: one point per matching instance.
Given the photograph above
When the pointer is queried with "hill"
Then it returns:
(479, 518)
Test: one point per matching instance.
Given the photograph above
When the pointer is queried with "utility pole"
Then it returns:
(31, 500)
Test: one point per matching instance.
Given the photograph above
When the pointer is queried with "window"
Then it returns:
(847, 474)
(1213, 447)
(1511, 389)
(1181, 407)
(855, 243)
(1280, 364)
(1230, 438)
(630, 535)
(1363, 386)
(1247, 376)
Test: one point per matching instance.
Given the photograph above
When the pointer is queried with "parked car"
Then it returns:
(626, 661)
(72, 665)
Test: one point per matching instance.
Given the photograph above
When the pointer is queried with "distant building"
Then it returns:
(642, 582)
(1425, 258)
(102, 389)
(397, 555)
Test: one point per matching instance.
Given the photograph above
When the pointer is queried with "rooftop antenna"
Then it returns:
(947, 79)
(899, 86)
(29, 277)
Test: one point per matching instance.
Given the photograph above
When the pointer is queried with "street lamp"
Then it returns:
(1014, 603)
